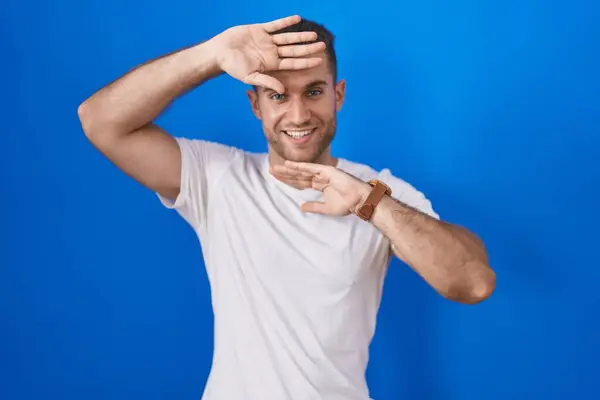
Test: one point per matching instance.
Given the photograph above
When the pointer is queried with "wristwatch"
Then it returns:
(365, 211)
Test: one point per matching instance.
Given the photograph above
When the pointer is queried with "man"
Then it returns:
(296, 242)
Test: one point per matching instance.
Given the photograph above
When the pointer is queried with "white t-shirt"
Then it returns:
(295, 295)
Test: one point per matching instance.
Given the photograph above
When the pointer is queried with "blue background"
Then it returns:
(492, 108)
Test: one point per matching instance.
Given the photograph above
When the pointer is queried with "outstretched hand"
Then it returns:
(249, 52)
(342, 192)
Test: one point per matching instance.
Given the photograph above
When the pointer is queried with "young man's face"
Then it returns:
(300, 124)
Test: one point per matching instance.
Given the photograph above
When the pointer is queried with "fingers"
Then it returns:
(306, 167)
(299, 183)
(300, 50)
(303, 173)
(299, 179)
(266, 81)
(286, 38)
(284, 174)
(303, 183)
(290, 173)
(316, 207)
(299, 63)
(281, 23)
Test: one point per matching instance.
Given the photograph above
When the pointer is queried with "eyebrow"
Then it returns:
(316, 83)
(319, 82)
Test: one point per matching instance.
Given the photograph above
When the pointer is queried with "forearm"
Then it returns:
(138, 97)
(450, 258)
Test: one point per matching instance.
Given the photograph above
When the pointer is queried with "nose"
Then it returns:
(298, 113)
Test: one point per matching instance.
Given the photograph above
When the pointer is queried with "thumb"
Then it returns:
(316, 207)
(258, 79)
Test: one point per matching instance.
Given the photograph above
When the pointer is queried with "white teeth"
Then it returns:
(298, 134)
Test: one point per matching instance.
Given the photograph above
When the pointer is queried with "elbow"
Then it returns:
(85, 118)
(482, 289)
(95, 124)
(473, 288)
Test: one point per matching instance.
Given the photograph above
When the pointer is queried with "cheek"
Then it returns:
(272, 117)
(325, 111)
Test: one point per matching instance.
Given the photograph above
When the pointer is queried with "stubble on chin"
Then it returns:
(310, 155)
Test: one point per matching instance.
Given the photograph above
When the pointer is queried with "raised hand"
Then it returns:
(342, 192)
(249, 52)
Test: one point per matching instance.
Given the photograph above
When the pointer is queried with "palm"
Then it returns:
(341, 191)
(338, 194)
(253, 51)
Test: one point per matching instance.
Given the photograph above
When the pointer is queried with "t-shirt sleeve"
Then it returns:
(202, 163)
(408, 194)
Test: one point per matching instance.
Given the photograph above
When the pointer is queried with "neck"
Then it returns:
(324, 159)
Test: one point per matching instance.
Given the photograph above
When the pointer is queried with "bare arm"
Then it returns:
(118, 119)
(449, 257)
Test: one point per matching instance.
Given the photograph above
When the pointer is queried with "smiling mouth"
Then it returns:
(299, 134)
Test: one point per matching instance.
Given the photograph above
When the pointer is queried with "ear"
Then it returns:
(253, 97)
(340, 93)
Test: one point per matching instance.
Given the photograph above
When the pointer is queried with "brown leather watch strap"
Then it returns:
(365, 211)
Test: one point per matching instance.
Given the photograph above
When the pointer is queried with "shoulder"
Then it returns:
(366, 173)
(211, 154)
(402, 190)
(207, 148)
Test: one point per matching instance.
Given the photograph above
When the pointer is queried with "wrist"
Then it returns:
(207, 56)
(372, 195)
(220, 47)
(363, 190)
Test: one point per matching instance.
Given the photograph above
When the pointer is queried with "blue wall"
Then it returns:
(492, 108)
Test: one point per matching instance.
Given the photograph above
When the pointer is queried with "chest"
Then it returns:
(256, 227)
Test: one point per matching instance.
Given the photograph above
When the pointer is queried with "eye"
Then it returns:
(277, 96)
(314, 92)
